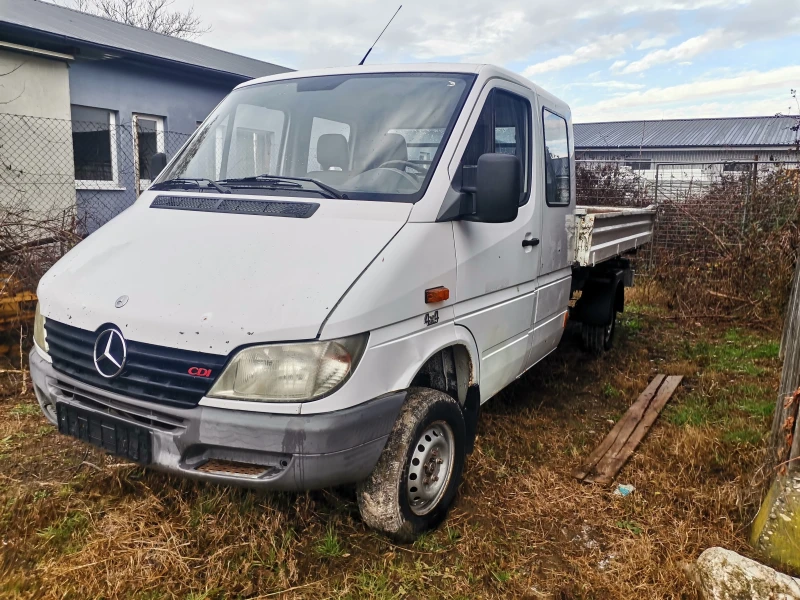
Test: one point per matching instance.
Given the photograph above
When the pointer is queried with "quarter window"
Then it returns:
(556, 160)
(502, 128)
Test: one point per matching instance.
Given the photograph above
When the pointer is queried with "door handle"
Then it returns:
(533, 242)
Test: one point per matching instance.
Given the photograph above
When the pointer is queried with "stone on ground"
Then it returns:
(724, 575)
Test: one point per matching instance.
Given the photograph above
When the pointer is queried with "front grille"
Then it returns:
(154, 373)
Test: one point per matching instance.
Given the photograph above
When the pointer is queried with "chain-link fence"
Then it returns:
(91, 170)
(59, 181)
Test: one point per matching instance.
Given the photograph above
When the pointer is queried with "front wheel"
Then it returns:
(418, 473)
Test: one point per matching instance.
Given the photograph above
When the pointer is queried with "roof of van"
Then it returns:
(486, 70)
(72, 27)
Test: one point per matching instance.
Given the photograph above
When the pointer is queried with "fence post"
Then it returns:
(776, 528)
(655, 224)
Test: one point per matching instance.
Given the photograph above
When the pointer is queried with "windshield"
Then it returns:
(369, 137)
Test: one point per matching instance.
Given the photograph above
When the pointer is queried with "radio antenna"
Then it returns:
(379, 37)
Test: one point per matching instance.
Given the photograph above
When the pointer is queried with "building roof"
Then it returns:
(688, 133)
(80, 28)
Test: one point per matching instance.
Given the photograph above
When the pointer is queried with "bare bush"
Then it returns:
(725, 242)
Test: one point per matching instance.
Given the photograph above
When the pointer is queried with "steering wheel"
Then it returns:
(401, 165)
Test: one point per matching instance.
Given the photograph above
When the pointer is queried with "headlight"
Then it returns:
(289, 372)
(39, 333)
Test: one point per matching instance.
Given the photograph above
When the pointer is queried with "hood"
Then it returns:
(210, 282)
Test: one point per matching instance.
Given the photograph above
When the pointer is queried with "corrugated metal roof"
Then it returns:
(687, 133)
(89, 29)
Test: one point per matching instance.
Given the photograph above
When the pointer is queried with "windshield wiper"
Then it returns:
(183, 181)
(288, 181)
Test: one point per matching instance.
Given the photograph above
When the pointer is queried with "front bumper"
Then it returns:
(268, 451)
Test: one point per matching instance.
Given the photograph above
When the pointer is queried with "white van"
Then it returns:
(328, 280)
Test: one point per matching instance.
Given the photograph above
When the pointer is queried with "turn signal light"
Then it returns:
(437, 294)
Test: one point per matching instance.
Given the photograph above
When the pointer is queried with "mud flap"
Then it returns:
(472, 411)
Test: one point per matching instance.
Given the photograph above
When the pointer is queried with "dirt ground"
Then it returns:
(76, 523)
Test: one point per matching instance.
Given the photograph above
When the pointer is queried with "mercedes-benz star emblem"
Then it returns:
(110, 353)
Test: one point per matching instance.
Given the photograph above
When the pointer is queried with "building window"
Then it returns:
(503, 127)
(736, 166)
(556, 159)
(638, 165)
(94, 147)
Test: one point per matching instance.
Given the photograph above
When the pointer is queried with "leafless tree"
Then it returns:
(153, 15)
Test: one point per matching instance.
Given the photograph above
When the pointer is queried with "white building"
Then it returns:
(724, 142)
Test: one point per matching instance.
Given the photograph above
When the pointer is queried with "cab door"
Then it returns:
(498, 262)
(556, 185)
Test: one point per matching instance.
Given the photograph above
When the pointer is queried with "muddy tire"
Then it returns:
(419, 471)
(599, 338)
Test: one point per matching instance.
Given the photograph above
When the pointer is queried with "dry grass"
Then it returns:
(76, 523)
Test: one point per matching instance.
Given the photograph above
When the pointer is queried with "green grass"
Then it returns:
(63, 535)
(736, 352)
(755, 400)
(27, 409)
(329, 545)
(723, 406)
(373, 585)
(742, 437)
(631, 324)
(502, 576)
(696, 410)
(609, 391)
(631, 526)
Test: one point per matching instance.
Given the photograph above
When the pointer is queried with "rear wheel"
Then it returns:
(599, 338)
(419, 471)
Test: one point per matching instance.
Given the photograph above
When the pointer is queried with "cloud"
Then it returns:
(322, 33)
(609, 84)
(767, 88)
(605, 47)
(655, 42)
(713, 39)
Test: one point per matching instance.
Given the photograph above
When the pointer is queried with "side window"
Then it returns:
(337, 147)
(503, 128)
(255, 141)
(556, 159)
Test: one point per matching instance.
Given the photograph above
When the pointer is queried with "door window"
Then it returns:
(504, 128)
(556, 159)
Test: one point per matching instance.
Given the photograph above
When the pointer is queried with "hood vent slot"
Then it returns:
(265, 208)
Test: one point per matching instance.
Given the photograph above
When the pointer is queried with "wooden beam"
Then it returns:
(614, 451)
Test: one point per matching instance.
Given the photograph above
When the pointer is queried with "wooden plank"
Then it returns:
(622, 429)
(611, 464)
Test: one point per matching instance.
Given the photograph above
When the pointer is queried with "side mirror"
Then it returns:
(157, 164)
(498, 188)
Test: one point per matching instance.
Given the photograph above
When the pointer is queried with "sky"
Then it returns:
(609, 59)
